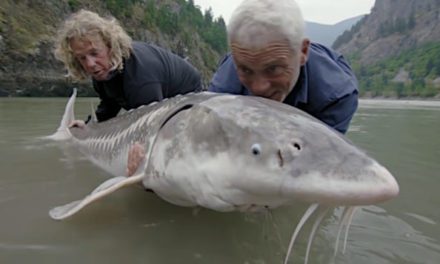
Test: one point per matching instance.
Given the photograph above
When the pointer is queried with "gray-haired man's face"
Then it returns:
(270, 71)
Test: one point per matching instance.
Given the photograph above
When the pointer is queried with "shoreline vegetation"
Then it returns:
(413, 102)
(363, 100)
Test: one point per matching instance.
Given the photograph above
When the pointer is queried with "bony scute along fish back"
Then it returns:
(229, 152)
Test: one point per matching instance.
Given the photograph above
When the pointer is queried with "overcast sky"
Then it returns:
(320, 11)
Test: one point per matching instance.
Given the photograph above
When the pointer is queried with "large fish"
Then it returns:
(230, 152)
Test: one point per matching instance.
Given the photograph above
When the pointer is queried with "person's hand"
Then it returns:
(136, 155)
(77, 123)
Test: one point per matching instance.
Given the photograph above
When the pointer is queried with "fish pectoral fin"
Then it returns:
(106, 188)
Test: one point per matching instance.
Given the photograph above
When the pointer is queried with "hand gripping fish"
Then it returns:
(230, 152)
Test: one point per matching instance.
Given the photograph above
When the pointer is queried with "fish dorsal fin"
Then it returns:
(63, 132)
(106, 188)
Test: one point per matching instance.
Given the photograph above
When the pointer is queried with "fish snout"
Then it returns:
(385, 187)
(289, 152)
(353, 182)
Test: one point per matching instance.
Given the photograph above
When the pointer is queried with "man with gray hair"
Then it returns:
(270, 57)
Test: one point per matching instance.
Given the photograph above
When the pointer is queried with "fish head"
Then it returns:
(242, 151)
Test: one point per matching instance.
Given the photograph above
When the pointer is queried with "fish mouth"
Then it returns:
(375, 184)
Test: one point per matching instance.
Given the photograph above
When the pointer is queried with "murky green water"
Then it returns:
(134, 226)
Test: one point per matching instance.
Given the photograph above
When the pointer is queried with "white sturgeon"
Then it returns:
(230, 152)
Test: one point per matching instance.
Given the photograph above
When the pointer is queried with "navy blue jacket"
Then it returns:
(326, 88)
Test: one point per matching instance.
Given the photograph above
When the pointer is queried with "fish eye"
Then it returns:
(256, 149)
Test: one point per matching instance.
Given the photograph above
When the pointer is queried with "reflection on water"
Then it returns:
(134, 226)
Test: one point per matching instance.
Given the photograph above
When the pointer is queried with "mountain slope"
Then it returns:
(327, 34)
(395, 50)
(392, 26)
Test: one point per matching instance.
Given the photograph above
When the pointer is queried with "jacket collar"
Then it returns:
(299, 93)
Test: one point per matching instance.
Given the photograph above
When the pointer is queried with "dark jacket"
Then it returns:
(149, 74)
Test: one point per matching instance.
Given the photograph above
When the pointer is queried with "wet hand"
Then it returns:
(136, 154)
(77, 123)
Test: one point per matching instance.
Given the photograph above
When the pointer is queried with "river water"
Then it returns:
(134, 226)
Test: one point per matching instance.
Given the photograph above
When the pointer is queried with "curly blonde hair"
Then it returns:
(88, 25)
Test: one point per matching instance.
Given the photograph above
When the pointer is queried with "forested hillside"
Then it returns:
(413, 73)
(395, 50)
(28, 28)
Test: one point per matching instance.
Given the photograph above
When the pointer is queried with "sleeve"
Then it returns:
(335, 87)
(225, 79)
(106, 110)
(107, 107)
(340, 112)
(146, 76)
(146, 94)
